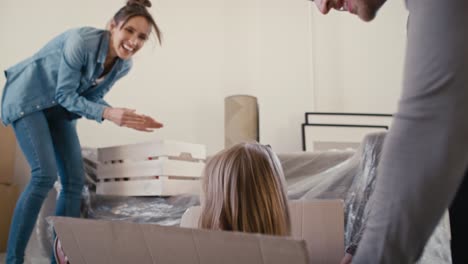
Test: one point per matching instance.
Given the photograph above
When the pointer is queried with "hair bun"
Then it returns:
(145, 3)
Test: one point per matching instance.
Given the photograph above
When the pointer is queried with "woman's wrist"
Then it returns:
(105, 113)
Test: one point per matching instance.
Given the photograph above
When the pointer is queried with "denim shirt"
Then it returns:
(63, 73)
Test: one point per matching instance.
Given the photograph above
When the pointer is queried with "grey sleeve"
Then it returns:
(426, 151)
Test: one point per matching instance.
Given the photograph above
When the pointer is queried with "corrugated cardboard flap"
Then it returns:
(96, 241)
(8, 154)
(319, 222)
(8, 196)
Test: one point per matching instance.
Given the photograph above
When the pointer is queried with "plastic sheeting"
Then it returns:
(353, 180)
(161, 210)
(341, 174)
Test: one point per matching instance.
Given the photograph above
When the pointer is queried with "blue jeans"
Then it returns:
(50, 144)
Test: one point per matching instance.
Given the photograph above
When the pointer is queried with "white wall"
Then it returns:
(358, 67)
(281, 51)
(211, 49)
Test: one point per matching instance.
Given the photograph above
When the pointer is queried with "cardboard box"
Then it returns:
(7, 151)
(320, 223)
(117, 242)
(8, 196)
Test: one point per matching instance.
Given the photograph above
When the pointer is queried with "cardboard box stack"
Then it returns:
(8, 191)
(157, 168)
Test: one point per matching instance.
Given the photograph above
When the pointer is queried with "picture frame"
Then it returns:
(326, 130)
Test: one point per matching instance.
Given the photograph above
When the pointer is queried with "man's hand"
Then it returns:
(128, 118)
(347, 259)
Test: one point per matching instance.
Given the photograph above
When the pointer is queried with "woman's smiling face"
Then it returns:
(128, 38)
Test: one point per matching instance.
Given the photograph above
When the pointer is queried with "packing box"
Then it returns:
(7, 154)
(317, 229)
(8, 196)
(161, 168)
(96, 241)
(319, 222)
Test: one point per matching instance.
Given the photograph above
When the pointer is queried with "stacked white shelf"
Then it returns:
(157, 168)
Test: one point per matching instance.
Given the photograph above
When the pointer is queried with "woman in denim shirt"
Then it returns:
(45, 94)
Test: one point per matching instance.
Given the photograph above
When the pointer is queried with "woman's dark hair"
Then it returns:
(135, 8)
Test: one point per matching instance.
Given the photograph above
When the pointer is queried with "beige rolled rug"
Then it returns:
(241, 119)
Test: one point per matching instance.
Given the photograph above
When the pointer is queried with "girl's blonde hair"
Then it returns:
(244, 190)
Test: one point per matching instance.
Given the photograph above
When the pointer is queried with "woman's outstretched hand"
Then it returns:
(128, 118)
